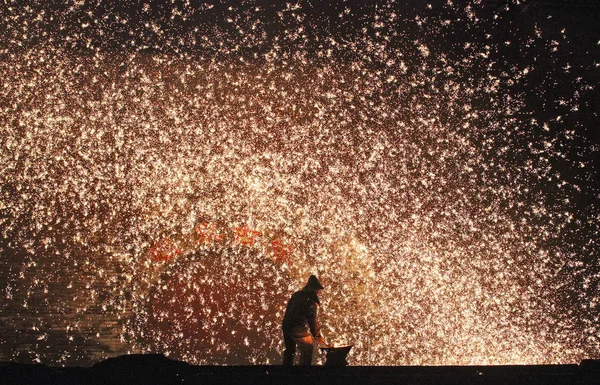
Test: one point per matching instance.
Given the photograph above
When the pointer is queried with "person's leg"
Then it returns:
(305, 346)
(290, 350)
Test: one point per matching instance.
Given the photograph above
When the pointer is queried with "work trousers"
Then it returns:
(304, 341)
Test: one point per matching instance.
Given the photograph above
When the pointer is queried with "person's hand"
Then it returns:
(321, 342)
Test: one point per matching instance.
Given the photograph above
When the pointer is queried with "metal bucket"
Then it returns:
(336, 355)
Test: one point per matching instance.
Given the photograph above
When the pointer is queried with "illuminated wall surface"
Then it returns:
(173, 171)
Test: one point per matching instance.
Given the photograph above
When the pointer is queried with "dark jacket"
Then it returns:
(302, 311)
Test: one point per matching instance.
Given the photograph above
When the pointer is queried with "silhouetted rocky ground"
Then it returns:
(158, 370)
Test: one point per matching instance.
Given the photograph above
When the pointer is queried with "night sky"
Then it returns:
(172, 171)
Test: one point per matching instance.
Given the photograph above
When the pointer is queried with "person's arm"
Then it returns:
(313, 323)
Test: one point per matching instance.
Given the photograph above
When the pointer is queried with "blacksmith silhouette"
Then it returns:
(301, 323)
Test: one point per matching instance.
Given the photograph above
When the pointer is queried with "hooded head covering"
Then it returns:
(313, 284)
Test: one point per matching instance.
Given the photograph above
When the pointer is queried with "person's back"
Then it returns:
(301, 312)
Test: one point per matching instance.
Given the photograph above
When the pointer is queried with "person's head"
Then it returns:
(313, 284)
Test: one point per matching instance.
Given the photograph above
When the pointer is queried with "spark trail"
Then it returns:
(170, 174)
